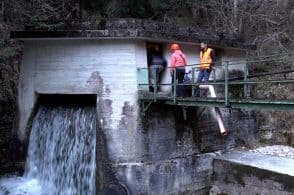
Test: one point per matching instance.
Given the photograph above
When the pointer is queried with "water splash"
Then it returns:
(20, 186)
(61, 155)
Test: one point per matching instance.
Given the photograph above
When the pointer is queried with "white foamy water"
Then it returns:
(61, 154)
(20, 185)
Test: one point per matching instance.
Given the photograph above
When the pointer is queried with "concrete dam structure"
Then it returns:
(170, 150)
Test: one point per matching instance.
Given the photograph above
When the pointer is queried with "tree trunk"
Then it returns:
(235, 15)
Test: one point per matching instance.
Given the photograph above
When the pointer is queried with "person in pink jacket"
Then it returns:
(177, 64)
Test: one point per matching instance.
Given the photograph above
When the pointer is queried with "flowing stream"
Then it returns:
(61, 154)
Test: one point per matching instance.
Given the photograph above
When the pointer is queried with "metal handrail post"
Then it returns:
(175, 85)
(227, 83)
(245, 79)
(193, 81)
(214, 79)
(155, 85)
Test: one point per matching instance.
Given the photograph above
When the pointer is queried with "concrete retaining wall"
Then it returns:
(252, 173)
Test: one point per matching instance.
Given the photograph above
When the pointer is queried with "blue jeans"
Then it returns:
(203, 75)
(154, 72)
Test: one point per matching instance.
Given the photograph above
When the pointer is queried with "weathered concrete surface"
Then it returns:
(251, 173)
(186, 175)
(172, 131)
(74, 67)
(239, 123)
(26, 91)
(133, 28)
(173, 157)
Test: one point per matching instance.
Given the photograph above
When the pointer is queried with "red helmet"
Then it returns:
(174, 46)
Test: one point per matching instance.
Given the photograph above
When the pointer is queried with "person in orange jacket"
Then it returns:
(207, 60)
(177, 64)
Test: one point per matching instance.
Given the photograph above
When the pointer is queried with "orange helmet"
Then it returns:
(174, 46)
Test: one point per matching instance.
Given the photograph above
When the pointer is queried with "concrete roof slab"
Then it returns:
(267, 162)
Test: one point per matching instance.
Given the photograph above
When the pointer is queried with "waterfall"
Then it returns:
(61, 153)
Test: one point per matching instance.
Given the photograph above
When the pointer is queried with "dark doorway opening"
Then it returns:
(67, 99)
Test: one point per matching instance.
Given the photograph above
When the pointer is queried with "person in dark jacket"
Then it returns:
(156, 65)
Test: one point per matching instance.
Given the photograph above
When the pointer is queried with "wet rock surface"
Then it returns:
(11, 157)
(179, 146)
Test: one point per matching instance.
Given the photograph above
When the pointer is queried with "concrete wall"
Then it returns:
(26, 89)
(103, 67)
(250, 173)
(73, 66)
(176, 146)
(184, 175)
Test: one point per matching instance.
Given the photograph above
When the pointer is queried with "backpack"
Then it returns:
(187, 79)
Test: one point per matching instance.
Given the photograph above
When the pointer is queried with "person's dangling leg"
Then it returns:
(180, 78)
(206, 75)
(159, 69)
(206, 79)
(152, 71)
(200, 76)
(172, 82)
(199, 80)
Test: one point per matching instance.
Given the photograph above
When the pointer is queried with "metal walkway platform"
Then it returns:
(245, 101)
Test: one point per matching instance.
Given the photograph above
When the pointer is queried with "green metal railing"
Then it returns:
(227, 81)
